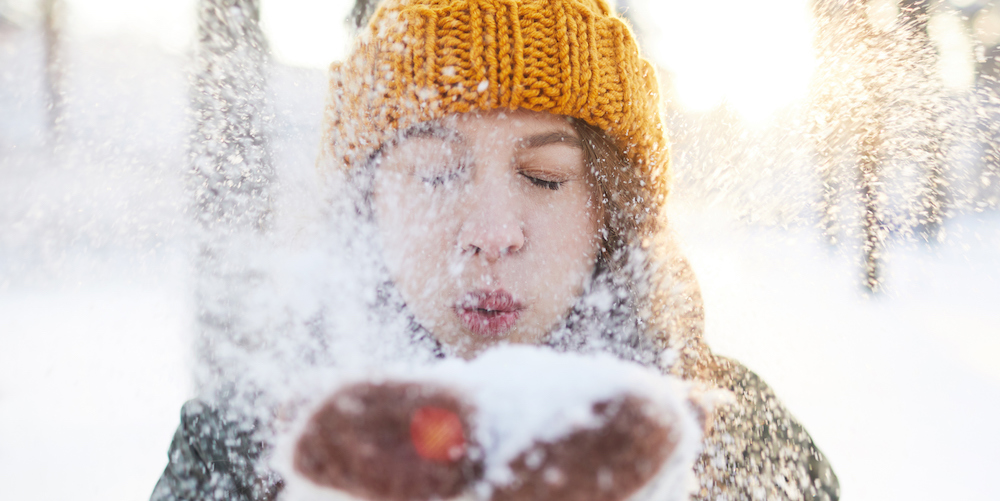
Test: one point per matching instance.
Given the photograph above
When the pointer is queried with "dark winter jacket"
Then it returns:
(216, 454)
(757, 450)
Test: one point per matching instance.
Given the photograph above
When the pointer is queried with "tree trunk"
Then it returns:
(987, 196)
(932, 196)
(828, 109)
(231, 175)
(851, 99)
(360, 13)
(870, 141)
(52, 34)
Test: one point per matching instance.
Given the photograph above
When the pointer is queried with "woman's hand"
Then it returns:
(395, 441)
(515, 424)
(402, 441)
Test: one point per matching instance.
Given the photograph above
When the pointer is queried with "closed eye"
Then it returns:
(544, 183)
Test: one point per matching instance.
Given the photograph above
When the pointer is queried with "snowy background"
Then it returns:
(900, 389)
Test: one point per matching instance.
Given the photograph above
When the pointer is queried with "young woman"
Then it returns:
(511, 158)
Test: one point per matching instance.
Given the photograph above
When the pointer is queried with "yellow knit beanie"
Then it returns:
(422, 60)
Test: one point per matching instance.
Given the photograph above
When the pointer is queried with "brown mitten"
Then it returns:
(516, 424)
(608, 463)
(389, 442)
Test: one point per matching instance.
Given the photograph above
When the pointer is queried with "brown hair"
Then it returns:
(619, 186)
(663, 290)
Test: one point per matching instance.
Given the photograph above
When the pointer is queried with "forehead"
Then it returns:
(495, 126)
(513, 121)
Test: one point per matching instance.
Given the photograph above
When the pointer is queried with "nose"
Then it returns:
(493, 227)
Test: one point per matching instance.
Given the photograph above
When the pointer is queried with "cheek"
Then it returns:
(567, 244)
(414, 233)
(575, 225)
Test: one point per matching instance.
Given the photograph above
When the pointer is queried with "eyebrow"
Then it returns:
(539, 140)
(433, 130)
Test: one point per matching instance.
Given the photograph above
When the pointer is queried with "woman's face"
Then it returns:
(489, 224)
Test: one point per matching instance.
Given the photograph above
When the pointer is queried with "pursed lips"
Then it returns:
(489, 314)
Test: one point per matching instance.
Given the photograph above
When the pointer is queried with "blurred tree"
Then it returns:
(4, 19)
(915, 15)
(829, 105)
(849, 100)
(362, 10)
(52, 35)
(870, 144)
(986, 34)
(231, 174)
(870, 141)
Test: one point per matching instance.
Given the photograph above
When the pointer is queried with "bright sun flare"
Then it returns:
(755, 57)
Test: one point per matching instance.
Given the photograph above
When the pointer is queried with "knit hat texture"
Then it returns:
(422, 60)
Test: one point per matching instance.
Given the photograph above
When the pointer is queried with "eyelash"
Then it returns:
(448, 177)
(544, 183)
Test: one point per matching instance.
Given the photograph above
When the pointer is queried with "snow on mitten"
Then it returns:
(607, 463)
(391, 441)
(573, 427)
(516, 424)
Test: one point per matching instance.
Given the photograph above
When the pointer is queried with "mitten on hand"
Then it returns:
(394, 441)
(516, 424)
(607, 463)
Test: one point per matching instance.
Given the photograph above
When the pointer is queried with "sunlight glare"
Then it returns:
(956, 65)
(171, 25)
(309, 33)
(755, 56)
(987, 26)
(883, 13)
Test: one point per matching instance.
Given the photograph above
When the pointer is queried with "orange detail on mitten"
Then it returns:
(389, 442)
(437, 434)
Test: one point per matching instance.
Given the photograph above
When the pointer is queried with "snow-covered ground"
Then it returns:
(900, 390)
